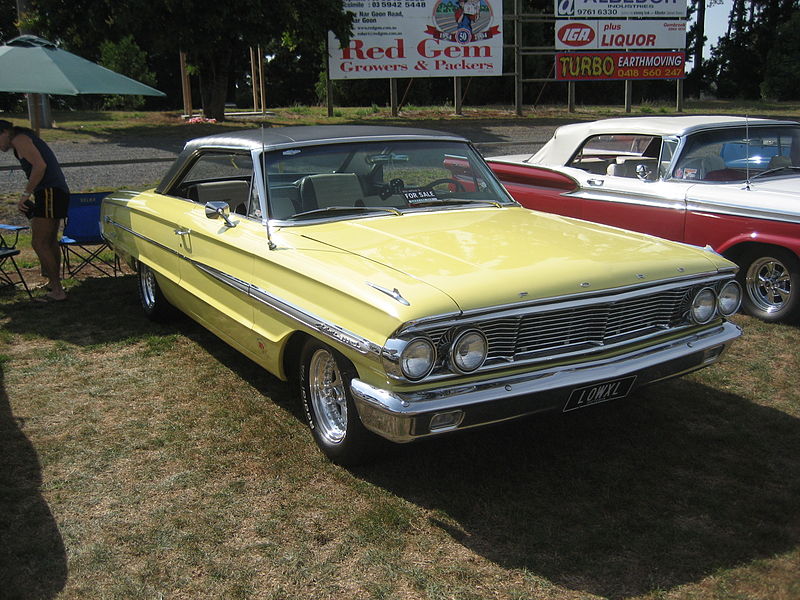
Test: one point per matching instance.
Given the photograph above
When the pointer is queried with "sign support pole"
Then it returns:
(393, 96)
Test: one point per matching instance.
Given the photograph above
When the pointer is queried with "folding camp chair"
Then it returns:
(8, 251)
(82, 242)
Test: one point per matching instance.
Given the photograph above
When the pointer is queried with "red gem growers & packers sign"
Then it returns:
(420, 38)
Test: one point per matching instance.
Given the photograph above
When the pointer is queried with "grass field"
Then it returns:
(96, 126)
(145, 461)
(152, 461)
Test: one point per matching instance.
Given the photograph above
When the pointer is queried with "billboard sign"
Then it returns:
(596, 66)
(420, 38)
(611, 9)
(620, 35)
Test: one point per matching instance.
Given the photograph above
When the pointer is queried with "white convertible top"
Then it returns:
(567, 138)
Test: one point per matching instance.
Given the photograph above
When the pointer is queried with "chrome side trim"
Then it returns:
(688, 206)
(333, 332)
(615, 196)
(146, 239)
(709, 206)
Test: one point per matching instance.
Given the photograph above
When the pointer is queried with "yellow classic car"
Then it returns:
(390, 274)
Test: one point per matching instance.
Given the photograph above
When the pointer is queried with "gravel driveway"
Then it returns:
(141, 162)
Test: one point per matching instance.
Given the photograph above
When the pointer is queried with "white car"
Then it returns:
(729, 182)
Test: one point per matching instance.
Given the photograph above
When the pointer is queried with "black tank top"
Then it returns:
(53, 175)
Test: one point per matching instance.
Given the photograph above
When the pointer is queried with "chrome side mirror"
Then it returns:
(219, 210)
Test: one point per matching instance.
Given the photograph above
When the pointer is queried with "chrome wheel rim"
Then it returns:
(147, 283)
(768, 284)
(328, 396)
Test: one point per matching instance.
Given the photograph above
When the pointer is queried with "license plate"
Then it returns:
(596, 393)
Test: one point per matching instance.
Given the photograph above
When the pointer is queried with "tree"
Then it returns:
(783, 63)
(8, 18)
(740, 59)
(127, 58)
(696, 40)
(214, 37)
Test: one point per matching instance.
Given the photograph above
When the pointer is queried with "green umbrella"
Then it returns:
(30, 64)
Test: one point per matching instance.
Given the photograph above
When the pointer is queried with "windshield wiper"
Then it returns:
(456, 201)
(775, 170)
(344, 209)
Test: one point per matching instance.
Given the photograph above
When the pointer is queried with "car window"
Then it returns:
(733, 154)
(219, 177)
(620, 155)
(354, 179)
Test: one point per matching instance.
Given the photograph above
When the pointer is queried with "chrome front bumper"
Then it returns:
(404, 417)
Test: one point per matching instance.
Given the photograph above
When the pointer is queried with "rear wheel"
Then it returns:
(771, 281)
(155, 305)
(325, 377)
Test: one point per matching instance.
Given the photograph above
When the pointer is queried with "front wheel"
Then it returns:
(771, 282)
(325, 377)
(155, 305)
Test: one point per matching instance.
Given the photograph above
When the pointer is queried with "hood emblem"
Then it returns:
(641, 276)
(394, 294)
(585, 284)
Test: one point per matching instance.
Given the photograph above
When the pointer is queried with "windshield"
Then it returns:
(734, 154)
(357, 179)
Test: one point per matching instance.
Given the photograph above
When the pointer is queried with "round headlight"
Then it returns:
(704, 306)
(730, 298)
(469, 351)
(417, 359)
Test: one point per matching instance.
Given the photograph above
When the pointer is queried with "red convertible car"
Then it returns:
(729, 182)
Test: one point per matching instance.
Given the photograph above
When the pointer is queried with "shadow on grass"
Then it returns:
(106, 310)
(98, 311)
(645, 495)
(33, 561)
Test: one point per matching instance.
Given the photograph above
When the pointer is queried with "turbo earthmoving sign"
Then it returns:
(595, 66)
(420, 38)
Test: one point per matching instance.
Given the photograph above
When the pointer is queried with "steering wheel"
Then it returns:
(459, 186)
(395, 186)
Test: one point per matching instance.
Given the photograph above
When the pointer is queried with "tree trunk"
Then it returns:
(696, 79)
(213, 71)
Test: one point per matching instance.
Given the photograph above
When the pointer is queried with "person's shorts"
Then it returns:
(50, 203)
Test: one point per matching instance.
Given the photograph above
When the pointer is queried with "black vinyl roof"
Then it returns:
(273, 138)
(270, 137)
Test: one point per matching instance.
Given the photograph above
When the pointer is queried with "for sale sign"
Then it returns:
(420, 38)
(594, 66)
(620, 35)
(610, 9)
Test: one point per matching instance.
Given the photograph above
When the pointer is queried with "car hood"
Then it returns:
(768, 198)
(488, 256)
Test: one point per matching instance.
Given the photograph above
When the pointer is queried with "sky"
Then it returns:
(716, 23)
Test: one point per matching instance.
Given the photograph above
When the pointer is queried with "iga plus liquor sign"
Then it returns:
(620, 35)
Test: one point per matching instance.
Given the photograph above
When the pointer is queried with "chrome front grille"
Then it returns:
(564, 329)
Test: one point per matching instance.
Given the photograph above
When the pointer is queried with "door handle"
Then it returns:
(183, 231)
(595, 182)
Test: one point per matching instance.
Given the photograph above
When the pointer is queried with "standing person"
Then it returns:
(44, 200)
